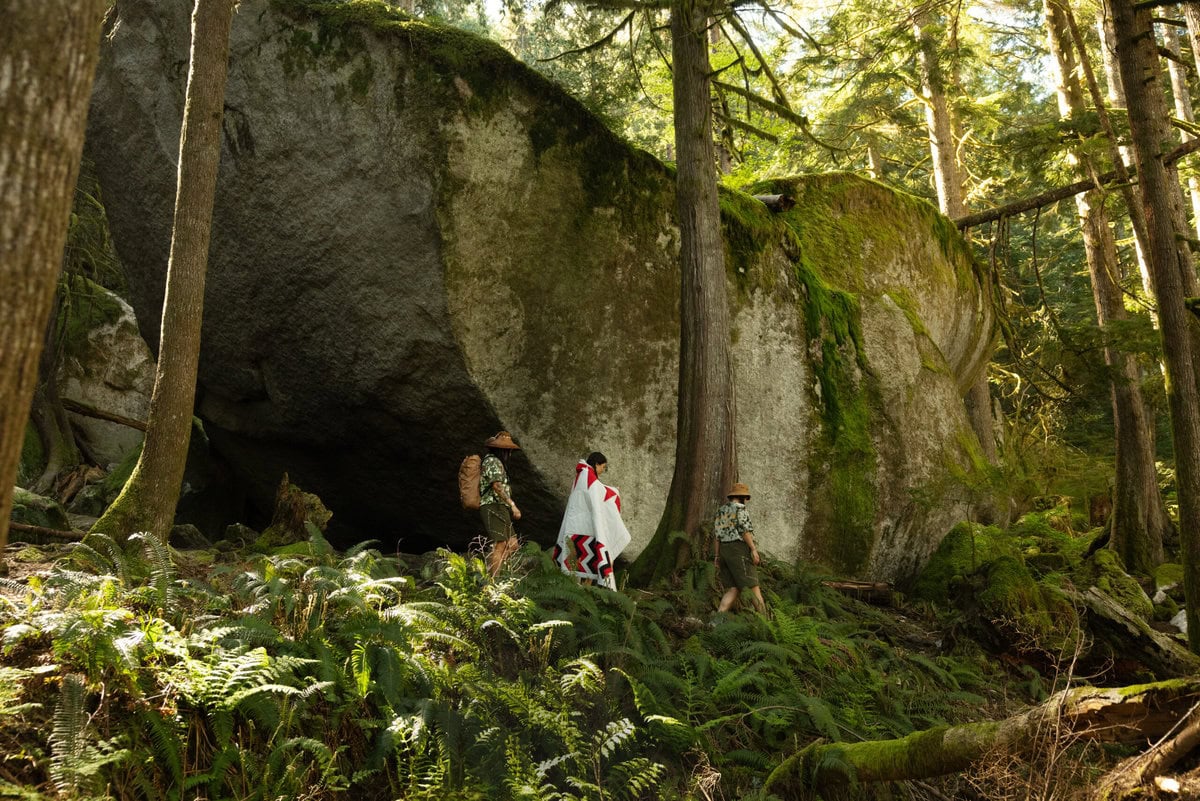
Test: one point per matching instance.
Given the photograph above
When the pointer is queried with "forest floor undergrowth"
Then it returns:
(142, 672)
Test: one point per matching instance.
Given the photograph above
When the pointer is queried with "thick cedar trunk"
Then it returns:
(1169, 260)
(705, 460)
(1139, 517)
(48, 52)
(1129, 715)
(147, 503)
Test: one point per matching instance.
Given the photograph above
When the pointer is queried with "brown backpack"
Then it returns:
(468, 481)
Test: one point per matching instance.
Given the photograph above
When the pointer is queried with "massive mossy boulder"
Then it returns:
(419, 241)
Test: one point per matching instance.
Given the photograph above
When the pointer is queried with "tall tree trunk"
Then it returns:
(1183, 110)
(48, 51)
(1139, 517)
(1116, 97)
(948, 184)
(1169, 258)
(147, 503)
(705, 459)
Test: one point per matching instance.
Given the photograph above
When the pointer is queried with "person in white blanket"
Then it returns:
(592, 534)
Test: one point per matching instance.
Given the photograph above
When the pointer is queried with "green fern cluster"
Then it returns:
(313, 676)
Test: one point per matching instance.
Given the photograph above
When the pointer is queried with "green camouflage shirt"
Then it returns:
(490, 471)
(732, 522)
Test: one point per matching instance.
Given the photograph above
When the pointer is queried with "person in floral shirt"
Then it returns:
(734, 551)
(496, 506)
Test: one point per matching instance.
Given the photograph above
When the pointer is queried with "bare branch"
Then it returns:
(737, 25)
(599, 43)
(1063, 192)
(734, 122)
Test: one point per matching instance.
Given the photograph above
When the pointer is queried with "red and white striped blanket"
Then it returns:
(592, 534)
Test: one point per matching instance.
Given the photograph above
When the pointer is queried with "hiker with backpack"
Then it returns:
(734, 551)
(496, 506)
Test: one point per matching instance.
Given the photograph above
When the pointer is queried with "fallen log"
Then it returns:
(25, 528)
(1131, 638)
(777, 203)
(100, 414)
(879, 593)
(1124, 714)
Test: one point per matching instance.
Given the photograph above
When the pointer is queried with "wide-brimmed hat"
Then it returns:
(739, 490)
(503, 440)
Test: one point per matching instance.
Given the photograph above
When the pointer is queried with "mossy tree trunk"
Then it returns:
(1123, 714)
(1139, 516)
(1169, 258)
(49, 417)
(705, 458)
(147, 503)
(48, 53)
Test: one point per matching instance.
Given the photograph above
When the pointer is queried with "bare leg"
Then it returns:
(759, 603)
(728, 599)
(500, 551)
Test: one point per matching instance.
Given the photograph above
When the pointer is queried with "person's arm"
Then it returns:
(498, 488)
(748, 538)
(748, 533)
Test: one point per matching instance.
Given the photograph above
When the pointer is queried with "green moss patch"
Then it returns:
(1105, 572)
(34, 510)
(33, 457)
(962, 553)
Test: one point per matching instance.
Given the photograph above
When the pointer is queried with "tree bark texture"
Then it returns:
(1130, 715)
(48, 414)
(1139, 516)
(939, 123)
(48, 53)
(1169, 260)
(147, 503)
(705, 459)
(1116, 97)
(1183, 109)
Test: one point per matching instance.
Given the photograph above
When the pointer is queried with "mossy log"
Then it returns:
(1123, 714)
(1132, 638)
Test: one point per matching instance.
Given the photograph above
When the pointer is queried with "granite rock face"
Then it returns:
(418, 241)
(106, 365)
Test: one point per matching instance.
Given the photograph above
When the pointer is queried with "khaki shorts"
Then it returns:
(497, 521)
(737, 566)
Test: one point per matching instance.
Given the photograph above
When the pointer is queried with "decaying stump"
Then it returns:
(294, 510)
(1127, 714)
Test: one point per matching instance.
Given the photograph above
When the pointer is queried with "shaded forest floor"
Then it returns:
(142, 672)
